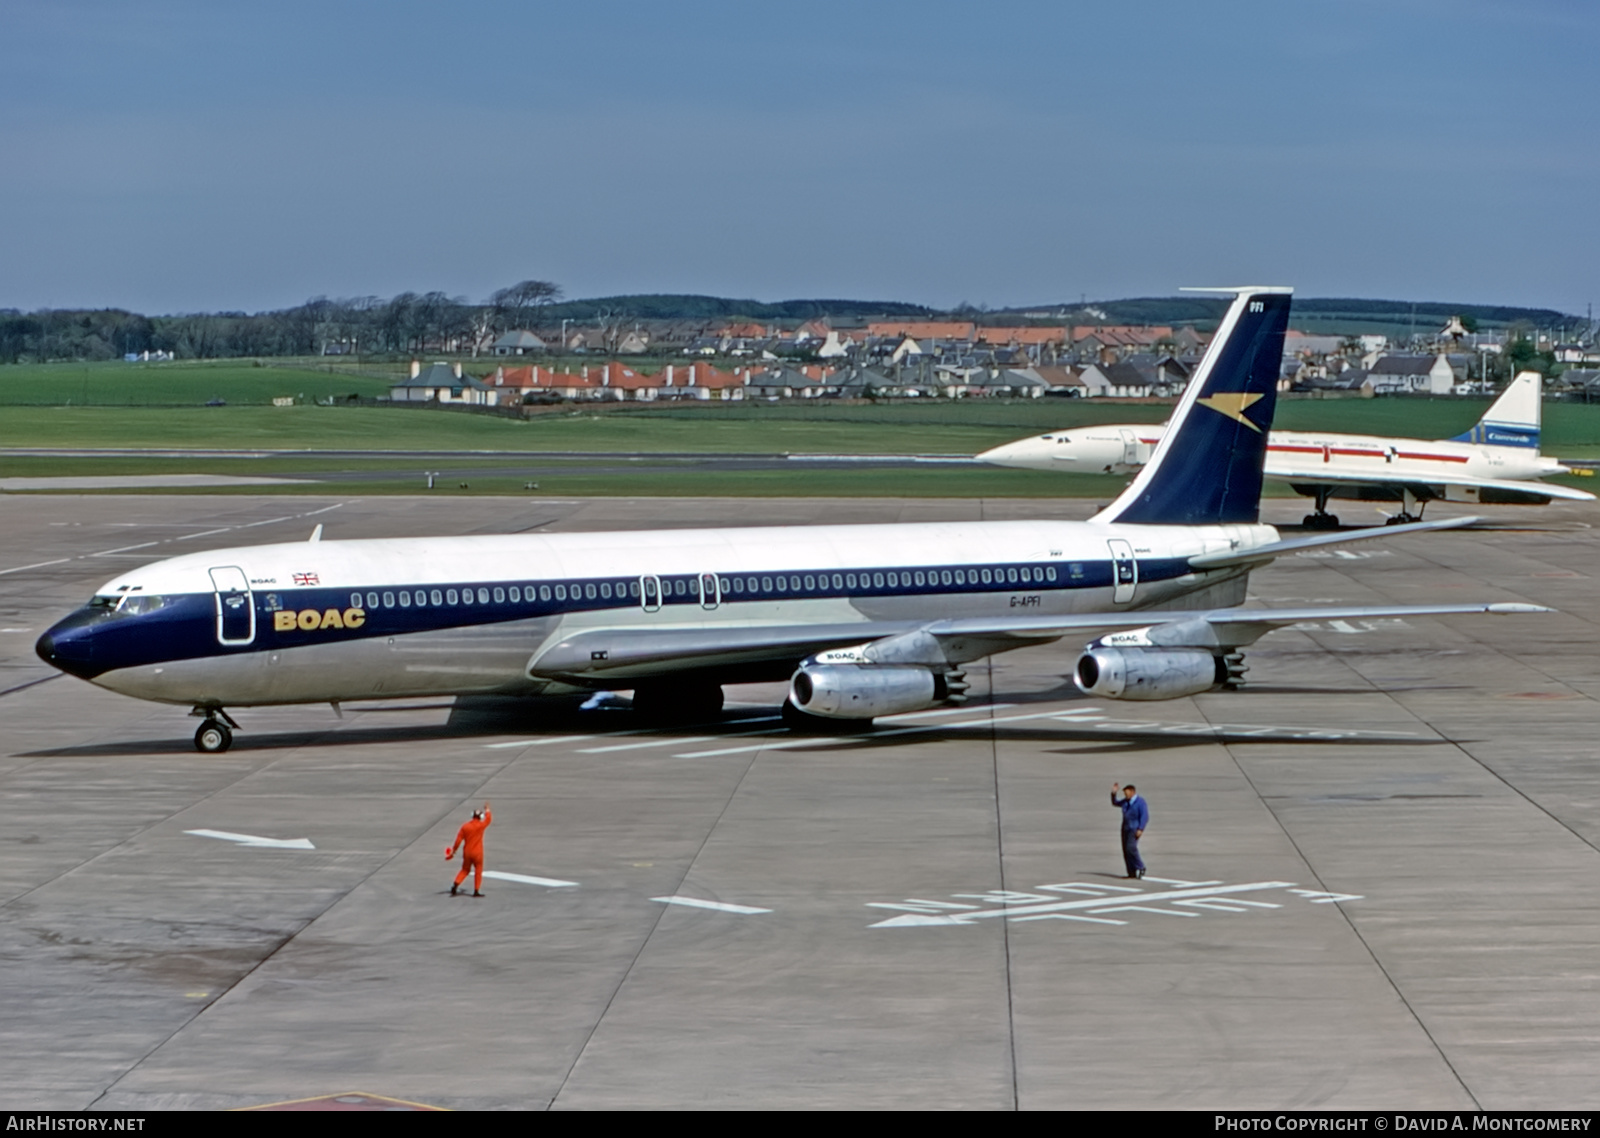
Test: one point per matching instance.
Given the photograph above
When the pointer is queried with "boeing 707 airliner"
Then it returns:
(863, 620)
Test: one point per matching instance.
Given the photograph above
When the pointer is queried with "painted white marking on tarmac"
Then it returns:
(125, 548)
(251, 841)
(913, 905)
(536, 742)
(35, 565)
(526, 879)
(1094, 905)
(1071, 917)
(1319, 898)
(1146, 909)
(719, 906)
(1095, 889)
(647, 743)
(943, 711)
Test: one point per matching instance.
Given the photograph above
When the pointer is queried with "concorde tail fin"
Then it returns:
(1207, 469)
(1513, 419)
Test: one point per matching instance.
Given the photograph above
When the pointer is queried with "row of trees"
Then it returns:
(409, 322)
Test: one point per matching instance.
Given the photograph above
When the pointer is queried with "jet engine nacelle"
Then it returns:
(1148, 673)
(864, 691)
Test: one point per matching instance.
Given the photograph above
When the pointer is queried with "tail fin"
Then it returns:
(1513, 419)
(1207, 470)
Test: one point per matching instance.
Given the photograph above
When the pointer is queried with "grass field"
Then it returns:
(148, 420)
(812, 427)
(178, 383)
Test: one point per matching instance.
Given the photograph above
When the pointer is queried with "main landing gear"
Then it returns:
(1322, 519)
(215, 735)
(1408, 503)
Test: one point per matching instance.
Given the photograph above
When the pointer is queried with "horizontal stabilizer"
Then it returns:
(1263, 553)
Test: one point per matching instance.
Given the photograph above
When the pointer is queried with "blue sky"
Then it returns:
(182, 157)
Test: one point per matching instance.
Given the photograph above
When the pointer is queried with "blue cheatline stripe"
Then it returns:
(182, 627)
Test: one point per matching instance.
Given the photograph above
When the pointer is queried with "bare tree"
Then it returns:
(512, 307)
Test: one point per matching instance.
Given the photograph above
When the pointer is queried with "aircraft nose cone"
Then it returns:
(1011, 454)
(73, 654)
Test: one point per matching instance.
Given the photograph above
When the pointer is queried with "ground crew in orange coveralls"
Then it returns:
(471, 836)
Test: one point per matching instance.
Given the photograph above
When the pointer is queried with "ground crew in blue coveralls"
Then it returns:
(1135, 817)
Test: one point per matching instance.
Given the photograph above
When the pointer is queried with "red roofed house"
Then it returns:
(525, 381)
(962, 330)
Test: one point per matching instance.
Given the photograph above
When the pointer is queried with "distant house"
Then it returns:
(1406, 374)
(962, 331)
(835, 346)
(443, 383)
(517, 383)
(1354, 380)
(518, 343)
(701, 380)
(1115, 381)
(634, 343)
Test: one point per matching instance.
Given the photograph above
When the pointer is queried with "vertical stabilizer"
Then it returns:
(1513, 419)
(1207, 469)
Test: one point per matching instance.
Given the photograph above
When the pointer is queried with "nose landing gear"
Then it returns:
(215, 735)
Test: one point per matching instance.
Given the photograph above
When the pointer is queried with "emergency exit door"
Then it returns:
(1124, 572)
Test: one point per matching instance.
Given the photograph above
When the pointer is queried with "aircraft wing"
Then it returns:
(1534, 491)
(607, 655)
(1211, 627)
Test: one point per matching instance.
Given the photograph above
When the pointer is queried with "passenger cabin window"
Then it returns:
(388, 600)
(450, 596)
(405, 600)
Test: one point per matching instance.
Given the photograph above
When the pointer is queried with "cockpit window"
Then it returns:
(137, 604)
(106, 603)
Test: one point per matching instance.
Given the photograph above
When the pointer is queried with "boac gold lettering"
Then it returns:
(309, 620)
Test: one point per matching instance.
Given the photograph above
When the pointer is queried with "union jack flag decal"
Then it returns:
(305, 579)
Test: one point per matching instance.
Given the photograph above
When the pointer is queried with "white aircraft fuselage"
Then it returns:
(1497, 461)
(346, 620)
(1122, 448)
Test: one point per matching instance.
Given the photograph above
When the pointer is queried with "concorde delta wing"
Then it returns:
(1488, 491)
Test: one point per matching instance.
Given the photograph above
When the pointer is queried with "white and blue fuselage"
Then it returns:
(330, 621)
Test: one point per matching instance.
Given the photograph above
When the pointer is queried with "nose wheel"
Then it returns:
(213, 738)
(215, 735)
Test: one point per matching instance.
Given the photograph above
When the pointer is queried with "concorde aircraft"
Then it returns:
(1492, 464)
(862, 620)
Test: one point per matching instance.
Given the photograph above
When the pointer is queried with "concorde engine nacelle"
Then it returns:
(1153, 673)
(864, 691)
